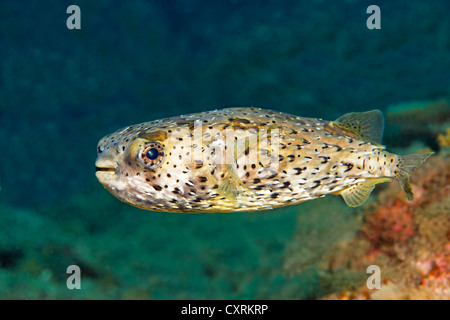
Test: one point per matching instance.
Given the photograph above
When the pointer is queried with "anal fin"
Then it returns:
(357, 194)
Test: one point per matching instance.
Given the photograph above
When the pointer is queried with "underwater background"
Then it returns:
(132, 61)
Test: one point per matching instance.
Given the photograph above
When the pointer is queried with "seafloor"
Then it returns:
(132, 61)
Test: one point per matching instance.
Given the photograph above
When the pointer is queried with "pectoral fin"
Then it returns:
(232, 186)
(357, 194)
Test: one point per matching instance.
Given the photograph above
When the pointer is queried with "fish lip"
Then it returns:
(106, 169)
(104, 166)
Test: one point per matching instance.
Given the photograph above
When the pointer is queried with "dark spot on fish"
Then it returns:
(168, 175)
(157, 188)
(291, 157)
(286, 184)
(272, 176)
(253, 166)
(325, 159)
(202, 179)
(348, 165)
(256, 180)
(316, 184)
(306, 141)
(198, 164)
(274, 195)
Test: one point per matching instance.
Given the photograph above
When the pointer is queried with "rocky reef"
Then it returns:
(408, 241)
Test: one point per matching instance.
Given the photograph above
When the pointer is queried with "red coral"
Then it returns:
(389, 224)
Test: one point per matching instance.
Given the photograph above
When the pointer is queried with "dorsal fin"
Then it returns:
(367, 126)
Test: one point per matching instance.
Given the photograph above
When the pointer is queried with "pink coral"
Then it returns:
(389, 224)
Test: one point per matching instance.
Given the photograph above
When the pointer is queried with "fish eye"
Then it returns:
(151, 155)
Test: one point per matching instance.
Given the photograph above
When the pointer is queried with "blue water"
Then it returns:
(61, 90)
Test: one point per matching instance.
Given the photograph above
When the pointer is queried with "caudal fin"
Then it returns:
(407, 164)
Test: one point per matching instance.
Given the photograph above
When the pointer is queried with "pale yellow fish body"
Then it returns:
(244, 159)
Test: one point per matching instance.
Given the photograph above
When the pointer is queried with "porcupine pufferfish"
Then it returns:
(244, 159)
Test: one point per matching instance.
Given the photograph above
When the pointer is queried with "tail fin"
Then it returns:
(407, 164)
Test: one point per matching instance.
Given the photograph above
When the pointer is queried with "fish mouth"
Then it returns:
(105, 169)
